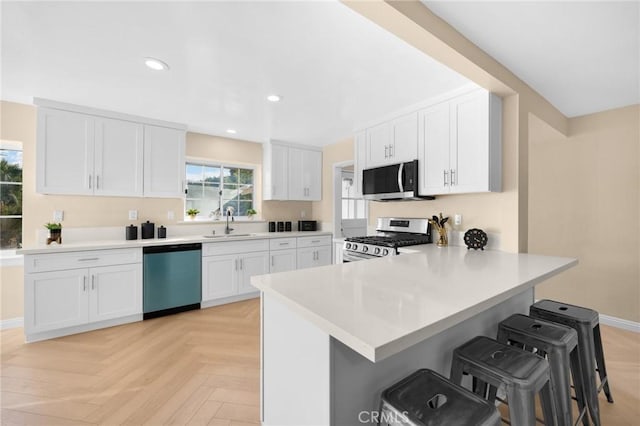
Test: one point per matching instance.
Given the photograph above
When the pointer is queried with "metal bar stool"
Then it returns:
(586, 322)
(560, 345)
(522, 373)
(425, 398)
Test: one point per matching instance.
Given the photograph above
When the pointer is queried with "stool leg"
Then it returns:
(548, 408)
(522, 410)
(588, 368)
(457, 369)
(602, 369)
(558, 363)
(576, 374)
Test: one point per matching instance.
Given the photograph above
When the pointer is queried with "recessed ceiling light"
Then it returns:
(156, 64)
(273, 98)
(232, 131)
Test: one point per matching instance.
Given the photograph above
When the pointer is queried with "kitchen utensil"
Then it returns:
(148, 230)
(131, 232)
(162, 232)
(272, 227)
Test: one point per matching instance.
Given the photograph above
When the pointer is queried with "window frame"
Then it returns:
(13, 146)
(222, 165)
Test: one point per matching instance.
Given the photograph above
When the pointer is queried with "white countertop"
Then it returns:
(380, 307)
(117, 244)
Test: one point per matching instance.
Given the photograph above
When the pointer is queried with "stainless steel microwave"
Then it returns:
(393, 182)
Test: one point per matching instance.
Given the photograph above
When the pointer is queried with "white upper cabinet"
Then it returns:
(164, 150)
(395, 141)
(64, 152)
(460, 149)
(305, 174)
(291, 172)
(275, 172)
(83, 151)
(118, 157)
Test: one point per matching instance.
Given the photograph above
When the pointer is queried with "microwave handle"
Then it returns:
(400, 173)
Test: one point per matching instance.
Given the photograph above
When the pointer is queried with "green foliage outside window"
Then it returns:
(10, 199)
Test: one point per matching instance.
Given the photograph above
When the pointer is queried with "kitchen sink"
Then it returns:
(228, 235)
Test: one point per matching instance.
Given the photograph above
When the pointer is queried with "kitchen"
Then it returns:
(504, 213)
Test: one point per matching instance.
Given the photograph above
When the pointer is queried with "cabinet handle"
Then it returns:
(315, 241)
(390, 151)
(271, 260)
(86, 259)
(386, 147)
(236, 263)
(241, 264)
(444, 177)
(93, 282)
(90, 177)
(284, 244)
(453, 177)
(84, 283)
(97, 181)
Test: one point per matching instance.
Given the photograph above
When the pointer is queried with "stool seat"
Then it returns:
(559, 344)
(586, 323)
(522, 373)
(425, 398)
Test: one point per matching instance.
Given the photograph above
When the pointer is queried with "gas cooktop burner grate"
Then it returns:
(391, 241)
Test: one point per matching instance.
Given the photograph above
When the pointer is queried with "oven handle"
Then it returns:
(400, 170)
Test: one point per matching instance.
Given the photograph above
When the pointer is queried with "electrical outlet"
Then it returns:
(58, 215)
(457, 219)
(303, 214)
(133, 214)
(171, 215)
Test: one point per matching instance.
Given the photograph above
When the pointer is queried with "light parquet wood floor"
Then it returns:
(195, 368)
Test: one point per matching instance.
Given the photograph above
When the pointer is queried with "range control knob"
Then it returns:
(348, 245)
(354, 246)
(365, 249)
(385, 252)
(377, 251)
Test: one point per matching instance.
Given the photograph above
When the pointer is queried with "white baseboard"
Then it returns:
(11, 323)
(620, 323)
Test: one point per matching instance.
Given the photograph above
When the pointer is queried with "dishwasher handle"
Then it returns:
(170, 248)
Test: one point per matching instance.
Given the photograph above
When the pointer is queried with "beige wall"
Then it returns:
(584, 195)
(331, 154)
(11, 293)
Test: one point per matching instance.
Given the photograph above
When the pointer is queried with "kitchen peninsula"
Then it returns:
(334, 337)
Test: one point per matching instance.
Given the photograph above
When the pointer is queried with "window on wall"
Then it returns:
(10, 196)
(214, 188)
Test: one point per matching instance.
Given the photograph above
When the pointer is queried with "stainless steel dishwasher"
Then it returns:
(172, 279)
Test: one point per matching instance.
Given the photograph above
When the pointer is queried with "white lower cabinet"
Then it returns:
(58, 299)
(283, 260)
(227, 267)
(314, 251)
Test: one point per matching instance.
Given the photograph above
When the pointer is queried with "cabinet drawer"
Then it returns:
(84, 259)
(320, 240)
(282, 243)
(234, 247)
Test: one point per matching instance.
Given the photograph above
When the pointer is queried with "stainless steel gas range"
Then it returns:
(391, 234)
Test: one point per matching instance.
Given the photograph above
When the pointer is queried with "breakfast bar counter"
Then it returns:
(333, 337)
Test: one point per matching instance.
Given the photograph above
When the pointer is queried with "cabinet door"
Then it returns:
(323, 256)
(282, 260)
(163, 162)
(251, 264)
(404, 145)
(276, 170)
(118, 158)
(64, 153)
(305, 174)
(56, 300)
(378, 145)
(360, 157)
(469, 143)
(434, 150)
(115, 291)
(219, 276)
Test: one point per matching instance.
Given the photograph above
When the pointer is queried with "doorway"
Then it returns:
(350, 209)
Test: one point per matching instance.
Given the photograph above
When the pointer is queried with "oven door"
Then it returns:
(350, 256)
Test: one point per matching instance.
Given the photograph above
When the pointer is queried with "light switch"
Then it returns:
(457, 219)
(58, 215)
(171, 215)
(133, 214)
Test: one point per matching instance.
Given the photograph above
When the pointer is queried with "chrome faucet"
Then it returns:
(228, 230)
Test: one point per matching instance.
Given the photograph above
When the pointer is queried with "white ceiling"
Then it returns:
(333, 68)
(583, 57)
